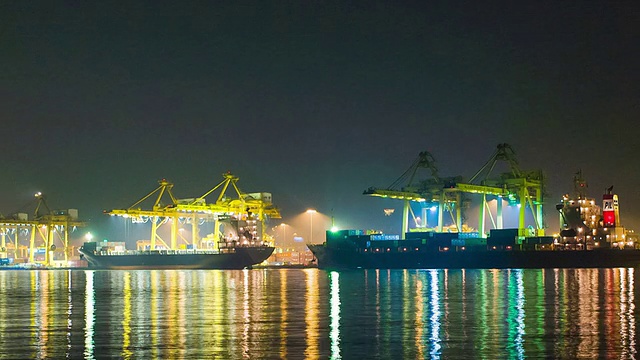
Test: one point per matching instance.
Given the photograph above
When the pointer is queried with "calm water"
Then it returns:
(314, 314)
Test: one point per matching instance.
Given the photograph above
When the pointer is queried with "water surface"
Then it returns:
(316, 314)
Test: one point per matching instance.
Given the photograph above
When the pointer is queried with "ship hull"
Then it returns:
(332, 258)
(239, 258)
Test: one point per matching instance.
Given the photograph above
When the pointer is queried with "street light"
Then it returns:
(284, 235)
(311, 212)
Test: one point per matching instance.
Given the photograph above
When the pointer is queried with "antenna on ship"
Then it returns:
(579, 185)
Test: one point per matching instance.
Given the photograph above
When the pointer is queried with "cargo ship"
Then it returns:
(235, 244)
(354, 249)
(235, 257)
(591, 236)
(236, 240)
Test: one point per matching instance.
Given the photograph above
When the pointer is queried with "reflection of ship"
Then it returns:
(237, 239)
(590, 238)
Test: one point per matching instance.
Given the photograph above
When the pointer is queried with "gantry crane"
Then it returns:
(449, 193)
(161, 211)
(194, 210)
(49, 224)
(253, 207)
(427, 190)
(525, 188)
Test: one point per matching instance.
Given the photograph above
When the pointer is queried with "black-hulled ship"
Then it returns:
(590, 237)
(237, 257)
(354, 249)
(238, 245)
(235, 241)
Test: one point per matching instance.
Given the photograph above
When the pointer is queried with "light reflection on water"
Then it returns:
(313, 314)
(434, 321)
(89, 311)
(335, 315)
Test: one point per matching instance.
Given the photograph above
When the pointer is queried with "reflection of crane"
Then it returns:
(45, 222)
(195, 210)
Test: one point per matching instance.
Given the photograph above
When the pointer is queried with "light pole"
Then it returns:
(284, 235)
(311, 212)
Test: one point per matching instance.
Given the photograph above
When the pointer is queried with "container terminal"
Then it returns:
(588, 232)
(432, 207)
(236, 237)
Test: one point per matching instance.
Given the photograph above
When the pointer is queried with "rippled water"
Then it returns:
(310, 313)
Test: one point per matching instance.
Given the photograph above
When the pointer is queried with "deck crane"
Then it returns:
(46, 222)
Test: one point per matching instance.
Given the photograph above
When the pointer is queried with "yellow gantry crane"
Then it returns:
(168, 208)
(50, 225)
(159, 212)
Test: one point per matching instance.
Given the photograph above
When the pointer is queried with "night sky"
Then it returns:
(313, 101)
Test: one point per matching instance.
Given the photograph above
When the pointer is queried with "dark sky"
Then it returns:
(313, 101)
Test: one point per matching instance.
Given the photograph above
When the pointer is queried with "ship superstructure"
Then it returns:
(587, 225)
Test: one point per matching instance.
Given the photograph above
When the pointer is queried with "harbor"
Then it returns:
(319, 180)
(226, 228)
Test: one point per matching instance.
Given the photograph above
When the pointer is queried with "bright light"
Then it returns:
(334, 228)
(311, 211)
(433, 208)
(88, 236)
